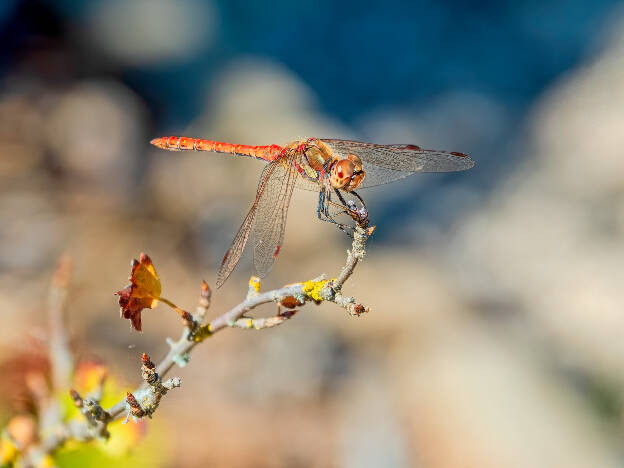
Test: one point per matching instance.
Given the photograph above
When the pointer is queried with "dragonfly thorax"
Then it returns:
(317, 161)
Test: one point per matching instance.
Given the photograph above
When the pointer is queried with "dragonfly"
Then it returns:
(327, 166)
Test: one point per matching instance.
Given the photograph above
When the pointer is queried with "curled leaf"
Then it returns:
(143, 291)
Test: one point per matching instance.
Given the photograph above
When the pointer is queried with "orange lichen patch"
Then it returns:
(143, 292)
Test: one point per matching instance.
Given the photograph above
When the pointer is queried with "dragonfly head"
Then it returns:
(347, 174)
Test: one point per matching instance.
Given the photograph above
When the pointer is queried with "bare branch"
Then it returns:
(265, 322)
(97, 418)
(145, 400)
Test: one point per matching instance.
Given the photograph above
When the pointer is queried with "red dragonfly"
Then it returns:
(323, 165)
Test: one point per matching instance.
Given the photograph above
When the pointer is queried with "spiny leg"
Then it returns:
(349, 204)
(359, 215)
(345, 208)
(359, 198)
(322, 211)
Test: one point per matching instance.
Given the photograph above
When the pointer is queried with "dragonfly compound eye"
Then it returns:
(341, 173)
(358, 173)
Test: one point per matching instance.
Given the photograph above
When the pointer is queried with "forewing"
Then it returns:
(306, 184)
(233, 255)
(272, 209)
(385, 163)
(272, 173)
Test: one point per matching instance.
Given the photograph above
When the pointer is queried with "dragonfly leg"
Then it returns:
(348, 230)
(321, 202)
(341, 198)
(322, 211)
(322, 208)
(359, 215)
(359, 198)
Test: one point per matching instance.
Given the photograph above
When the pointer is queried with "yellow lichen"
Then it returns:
(313, 289)
(254, 283)
(202, 333)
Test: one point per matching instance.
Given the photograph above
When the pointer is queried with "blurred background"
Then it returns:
(495, 337)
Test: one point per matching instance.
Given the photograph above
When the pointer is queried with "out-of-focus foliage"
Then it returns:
(128, 442)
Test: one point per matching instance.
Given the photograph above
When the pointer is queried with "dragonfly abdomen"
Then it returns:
(176, 143)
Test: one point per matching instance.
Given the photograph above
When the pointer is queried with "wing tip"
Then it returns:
(470, 163)
(466, 161)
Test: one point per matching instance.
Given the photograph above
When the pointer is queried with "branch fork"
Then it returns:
(145, 401)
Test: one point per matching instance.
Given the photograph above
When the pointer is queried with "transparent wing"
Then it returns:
(270, 223)
(385, 163)
(267, 216)
(306, 184)
(233, 255)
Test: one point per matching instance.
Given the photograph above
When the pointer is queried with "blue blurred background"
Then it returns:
(495, 336)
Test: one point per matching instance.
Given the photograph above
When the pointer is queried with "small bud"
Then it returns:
(135, 407)
(357, 309)
(76, 398)
(188, 320)
(147, 361)
(206, 292)
(148, 371)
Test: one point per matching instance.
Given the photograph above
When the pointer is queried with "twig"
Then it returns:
(354, 256)
(96, 416)
(156, 389)
(249, 323)
(61, 358)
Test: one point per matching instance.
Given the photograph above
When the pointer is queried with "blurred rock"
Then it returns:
(96, 132)
(472, 398)
(256, 101)
(140, 32)
(21, 124)
(551, 236)
(32, 231)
